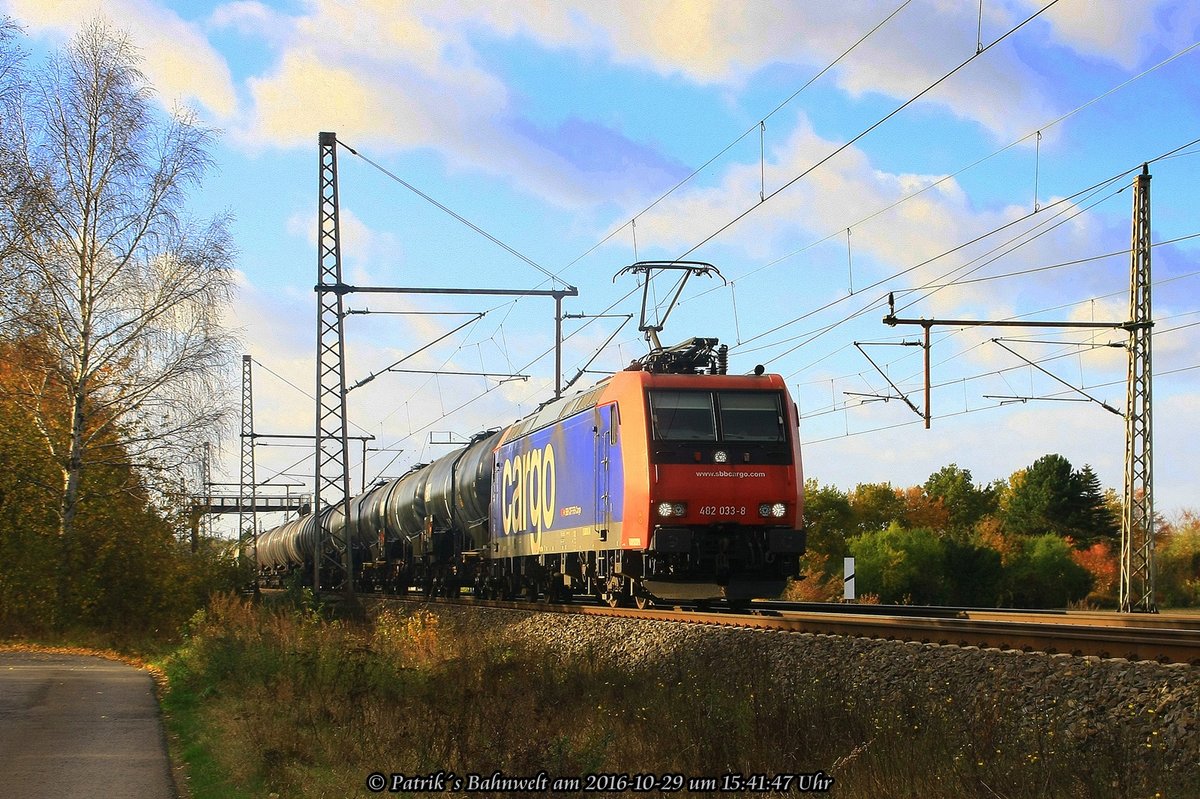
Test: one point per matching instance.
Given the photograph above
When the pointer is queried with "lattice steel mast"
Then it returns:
(206, 487)
(332, 484)
(1137, 520)
(247, 489)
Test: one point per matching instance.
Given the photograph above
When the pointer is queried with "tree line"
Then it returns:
(1048, 536)
(114, 365)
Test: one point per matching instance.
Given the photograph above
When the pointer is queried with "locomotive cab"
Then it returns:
(723, 487)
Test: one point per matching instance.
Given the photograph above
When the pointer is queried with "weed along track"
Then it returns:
(1174, 639)
(638, 697)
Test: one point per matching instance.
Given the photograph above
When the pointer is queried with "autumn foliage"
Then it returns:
(1049, 536)
(127, 575)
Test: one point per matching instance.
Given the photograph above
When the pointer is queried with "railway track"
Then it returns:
(1166, 638)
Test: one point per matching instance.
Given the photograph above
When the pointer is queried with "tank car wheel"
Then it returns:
(641, 601)
(556, 592)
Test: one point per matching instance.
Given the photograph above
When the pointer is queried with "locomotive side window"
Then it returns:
(683, 416)
(750, 417)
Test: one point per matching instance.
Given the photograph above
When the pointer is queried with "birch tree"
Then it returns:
(104, 266)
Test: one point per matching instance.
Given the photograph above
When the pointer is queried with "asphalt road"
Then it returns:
(77, 726)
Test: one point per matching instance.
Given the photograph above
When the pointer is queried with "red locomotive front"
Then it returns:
(713, 483)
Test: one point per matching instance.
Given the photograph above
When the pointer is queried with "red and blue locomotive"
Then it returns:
(670, 480)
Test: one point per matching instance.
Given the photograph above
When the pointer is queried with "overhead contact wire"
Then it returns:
(882, 281)
(868, 130)
(455, 214)
(1045, 126)
(732, 144)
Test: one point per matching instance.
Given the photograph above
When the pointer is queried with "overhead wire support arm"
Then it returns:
(1047, 372)
(583, 369)
(874, 397)
(1088, 344)
(307, 437)
(557, 294)
(570, 291)
(415, 352)
(901, 394)
(893, 321)
(354, 311)
(927, 324)
(1008, 399)
(504, 377)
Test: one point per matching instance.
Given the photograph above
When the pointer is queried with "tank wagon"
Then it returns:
(667, 481)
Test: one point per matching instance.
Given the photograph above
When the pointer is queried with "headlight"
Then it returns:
(764, 510)
(778, 509)
(720, 456)
(669, 509)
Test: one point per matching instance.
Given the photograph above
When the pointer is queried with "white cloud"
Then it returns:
(409, 77)
(1119, 31)
(178, 59)
(726, 43)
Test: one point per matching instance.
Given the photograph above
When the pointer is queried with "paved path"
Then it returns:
(78, 726)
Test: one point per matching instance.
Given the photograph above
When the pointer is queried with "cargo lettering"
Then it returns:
(528, 488)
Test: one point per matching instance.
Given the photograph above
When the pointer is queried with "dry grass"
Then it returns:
(294, 705)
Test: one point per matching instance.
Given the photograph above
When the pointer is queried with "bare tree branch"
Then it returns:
(123, 290)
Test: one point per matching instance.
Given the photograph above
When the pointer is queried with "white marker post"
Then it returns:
(848, 580)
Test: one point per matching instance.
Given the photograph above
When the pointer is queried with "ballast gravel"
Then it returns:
(1094, 701)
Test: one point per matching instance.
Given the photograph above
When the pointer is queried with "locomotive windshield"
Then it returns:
(719, 416)
(750, 417)
(683, 416)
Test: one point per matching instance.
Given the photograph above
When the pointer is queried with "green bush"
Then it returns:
(1043, 574)
(974, 574)
(901, 565)
(1178, 561)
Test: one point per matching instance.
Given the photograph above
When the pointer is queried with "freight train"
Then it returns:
(670, 480)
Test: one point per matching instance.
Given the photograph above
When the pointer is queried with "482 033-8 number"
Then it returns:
(723, 510)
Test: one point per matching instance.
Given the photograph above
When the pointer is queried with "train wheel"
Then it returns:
(642, 601)
(613, 593)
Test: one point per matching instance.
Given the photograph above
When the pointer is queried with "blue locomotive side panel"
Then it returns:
(559, 489)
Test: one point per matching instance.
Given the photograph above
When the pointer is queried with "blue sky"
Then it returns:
(555, 124)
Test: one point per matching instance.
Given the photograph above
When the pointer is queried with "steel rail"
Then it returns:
(1100, 618)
